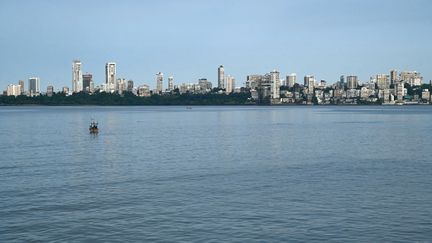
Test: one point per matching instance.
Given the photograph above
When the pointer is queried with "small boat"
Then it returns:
(93, 127)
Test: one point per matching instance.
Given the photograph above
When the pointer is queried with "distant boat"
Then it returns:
(93, 127)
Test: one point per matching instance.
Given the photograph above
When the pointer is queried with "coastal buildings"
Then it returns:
(50, 90)
(121, 85)
(170, 83)
(404, 87)
(77, 81)
(21, 84)
(130, 85)
(221, 77)
(275, 84)
(88, 84)
(230, 84)
(159, 82)
(110, 76)
(34, 86)
(291, 80)
(413, 78)
(393, 76)
(205, 85)
(13, 90)
(144, 90)
(382, 81)
(352, 82)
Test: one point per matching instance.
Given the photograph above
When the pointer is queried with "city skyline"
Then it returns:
(84, 81)
(363, 38)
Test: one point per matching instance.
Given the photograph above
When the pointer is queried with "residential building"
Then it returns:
(77, 79)
(130, 85)
(87, 82)
(205, 84)
(291, 80)
(352, 82)
(275, 84)
(110, 76)
(393, 76)
(13, 90)
(159, 82)
(34, 86)
(170, 83)
(21, 84)
(230, 84)
(221, 77)
(50, 90)
(413, 78)
(382, 81)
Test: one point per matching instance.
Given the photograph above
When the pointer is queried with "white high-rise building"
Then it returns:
(291, 80)
(275, 84)
(34, 86)
(221, 77)
(170, 83)
(13, 90)
(77, 81)
(159, 82)
(309, 83)
(110, 76)
(230, 84)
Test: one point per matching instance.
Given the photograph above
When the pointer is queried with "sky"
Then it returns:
(189, 39)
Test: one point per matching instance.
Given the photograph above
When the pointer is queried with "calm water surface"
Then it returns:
(236, 174)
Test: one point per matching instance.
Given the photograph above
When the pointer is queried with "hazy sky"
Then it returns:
(190, 38)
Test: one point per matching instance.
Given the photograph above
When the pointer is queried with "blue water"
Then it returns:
(216, 174)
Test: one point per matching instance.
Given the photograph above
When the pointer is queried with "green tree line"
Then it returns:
(128, 98)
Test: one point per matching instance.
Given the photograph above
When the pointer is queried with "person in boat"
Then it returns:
(93, 127)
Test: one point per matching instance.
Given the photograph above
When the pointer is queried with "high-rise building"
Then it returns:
(204, 84)
(170, 83)
(291, 80)
(34, 86)
(144, 90)
(130, 85)
(352, 82)
(230, 84)
(275, 84)
(309, 84)
(393, 76)
(159, 82)
(76, 76)
(110, 76)
(121, 85)
(413, 78)
(382, 81)
(21, 84)
(342, 82)
(399, 90)
(253, 81)
(87, 80)
(221, 77)
(13, 90)
(309, 81)
(50, 90)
